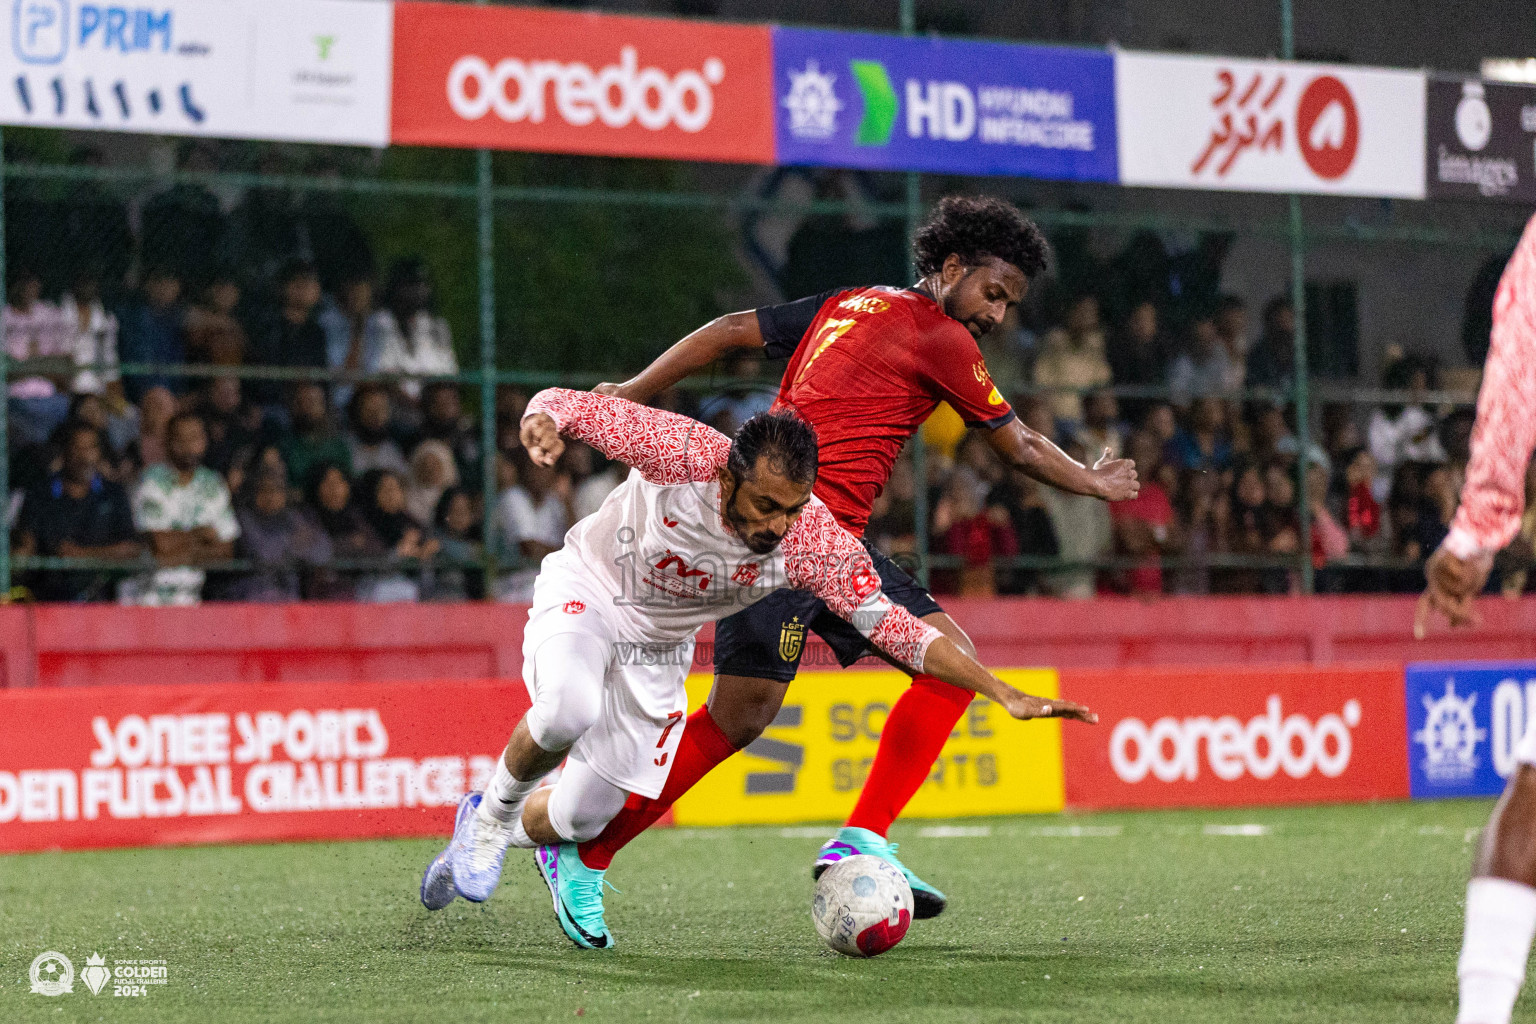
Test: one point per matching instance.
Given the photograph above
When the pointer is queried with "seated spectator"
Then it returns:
(1083, 531)
(34, 329)
(892, 525)
(350, 345)
(1330, 541)
(978, 533)
(213, 334)
(1073, 357)
(328, 501)
(1400, 433)
(93, 340)
(1020, 497)
(532, 517)
(729, 409)
(443, 419)
(92, 410)
(370, 444)
(412, 339)
(313, 439)
(432, 472)
(1139, 355)
(1232, 329)
(1203, 368)
(1204, 444)
(1204, 512)
(278, 538)
(592, 488)
(455, 528)
(1101, 430)
(1272, 360)
(382, 501)
(1513, 564)
(151, 332)
(156, 409)
(234, 425)
(1440, 500)
(77, 513)
(1009, 351)
(1145, 527)
(1161, 423)
(292, 336)
(184, 509)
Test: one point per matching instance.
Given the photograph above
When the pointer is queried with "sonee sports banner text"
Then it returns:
(149, 765)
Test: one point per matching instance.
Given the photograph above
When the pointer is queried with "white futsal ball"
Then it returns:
(863, 906)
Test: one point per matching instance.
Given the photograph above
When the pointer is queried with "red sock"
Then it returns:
(914, 734)
(702, 747)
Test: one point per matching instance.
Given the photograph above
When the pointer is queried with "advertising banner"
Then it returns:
(1482, 140)
(845, 99)
(1465, 720)
(812, 762)
(153, 765)
(564, 82)
(1269, 126)
(288, 70)
(1214, 737)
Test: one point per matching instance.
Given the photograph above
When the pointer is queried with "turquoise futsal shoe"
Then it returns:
(578, 894)
(437, 889)
(849, 842)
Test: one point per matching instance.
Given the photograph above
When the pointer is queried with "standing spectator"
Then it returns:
(371, 444)
(1020, 497)
(151, 332)
(1203, 368)
(1204, 444)
(532, 517)
(1073, 357)
(93, 340)
(432, 472)
(351, 342)
(184, 508)
(443, 419)
(313, 439)
(412, 339)
(1101, 429)
(1399, 433)
(76, 513)
(453, 527)
(1232, 329)
(401, 537)
(278, 539)
(1145, 526)
(34, 329)
(213, 334)
(294, 336)
(1272, 360)
(1139, 355)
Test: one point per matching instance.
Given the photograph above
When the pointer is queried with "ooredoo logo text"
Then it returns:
(1183, 749)
(618, 94)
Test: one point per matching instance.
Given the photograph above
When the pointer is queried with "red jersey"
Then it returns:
(869, 365)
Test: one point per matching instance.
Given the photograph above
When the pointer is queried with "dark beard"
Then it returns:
(757, 543)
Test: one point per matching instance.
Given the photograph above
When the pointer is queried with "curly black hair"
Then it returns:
(975, 228)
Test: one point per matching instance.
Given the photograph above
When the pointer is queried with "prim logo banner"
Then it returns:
(1465, 723)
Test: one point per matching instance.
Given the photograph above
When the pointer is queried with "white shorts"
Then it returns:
(644, 701)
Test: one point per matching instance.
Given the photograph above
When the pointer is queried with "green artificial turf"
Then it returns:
(1334, 914)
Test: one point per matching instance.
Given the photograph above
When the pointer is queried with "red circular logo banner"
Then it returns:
(1328, 127)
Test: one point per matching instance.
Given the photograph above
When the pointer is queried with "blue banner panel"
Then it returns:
(846, 99)
(1465, 720)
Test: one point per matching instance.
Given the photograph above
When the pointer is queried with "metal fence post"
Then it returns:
(914, 211)
(1299, 340)
(486, 232)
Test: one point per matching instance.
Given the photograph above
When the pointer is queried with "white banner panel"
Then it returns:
(1269, 126)
(289, 70)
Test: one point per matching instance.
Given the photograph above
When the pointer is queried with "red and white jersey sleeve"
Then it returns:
(822, 557)
(665, 447)
(1493, 497)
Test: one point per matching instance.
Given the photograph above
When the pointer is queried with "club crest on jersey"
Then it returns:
(747, 573)
(574, 608)
(865, 582)
(791, 639)
(864, 304)
(673, 575)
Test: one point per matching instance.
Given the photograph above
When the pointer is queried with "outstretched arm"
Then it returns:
(821, 556)
(696, 351)
(1038, 456)
(665, 447)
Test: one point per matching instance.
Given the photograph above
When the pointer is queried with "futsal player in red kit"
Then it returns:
(867, 366)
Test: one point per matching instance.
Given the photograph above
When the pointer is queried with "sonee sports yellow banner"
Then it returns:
(811, 763)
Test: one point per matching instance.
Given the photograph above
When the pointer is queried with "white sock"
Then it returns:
(520, 836)
(1501, 919)
(502, 803)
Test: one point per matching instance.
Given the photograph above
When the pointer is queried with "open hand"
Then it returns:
(542, 438)
(1453, 585)
(1022, 706)
(1116, 478)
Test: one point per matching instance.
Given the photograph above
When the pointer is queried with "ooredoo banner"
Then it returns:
(1465, 721)
(557, 81)
(1269, 126)
(812, 762)
(847, 99)
(1482, 140)
(287, 70)
(1208, 737)
(149, 765)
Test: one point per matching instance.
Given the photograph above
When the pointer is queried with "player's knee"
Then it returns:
(560, 721)
(744, 708)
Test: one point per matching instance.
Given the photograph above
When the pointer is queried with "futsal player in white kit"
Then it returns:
(1501, 898)
(703, 526)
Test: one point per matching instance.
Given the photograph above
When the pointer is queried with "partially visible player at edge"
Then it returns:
(867, 367)
(1501, 898)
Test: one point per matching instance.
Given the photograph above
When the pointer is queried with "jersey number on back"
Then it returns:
(830, 332)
